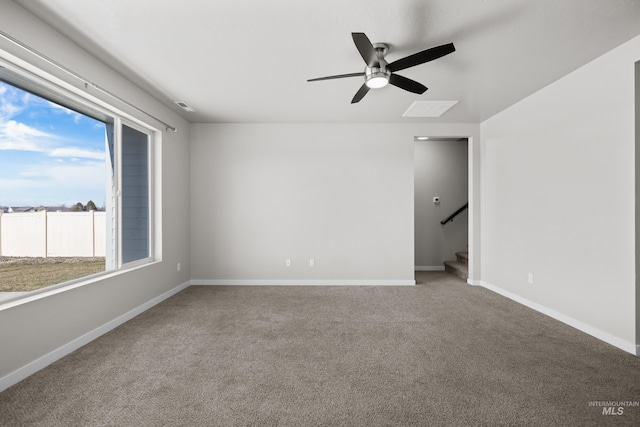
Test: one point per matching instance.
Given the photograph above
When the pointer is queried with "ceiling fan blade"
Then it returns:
(407, 84)
(339, 76)
(360, 94)
(421, 57)
(365, 48)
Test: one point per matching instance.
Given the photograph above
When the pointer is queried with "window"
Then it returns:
(135, 194)
(134, 212)
(85, 172)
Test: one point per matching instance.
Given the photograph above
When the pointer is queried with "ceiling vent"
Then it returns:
(184, 106)
(429, 108)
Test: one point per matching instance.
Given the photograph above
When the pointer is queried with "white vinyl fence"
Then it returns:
(53, 234)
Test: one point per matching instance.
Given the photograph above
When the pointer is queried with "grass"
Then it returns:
(19, 274)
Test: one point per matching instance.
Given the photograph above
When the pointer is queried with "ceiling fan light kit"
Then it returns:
(378, 72)
(376, 78)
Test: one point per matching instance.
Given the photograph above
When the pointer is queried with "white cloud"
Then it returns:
(13, 129)
(55, 184)
(74, 152)
(15, 135)
(10, 103)
(18, 136)
(21, 137)
(8, 110)
(59, 108)
(33, 174)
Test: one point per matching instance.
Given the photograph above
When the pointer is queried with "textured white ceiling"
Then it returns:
(248, 60)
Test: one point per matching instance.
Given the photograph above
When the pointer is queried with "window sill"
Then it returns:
(48, 291)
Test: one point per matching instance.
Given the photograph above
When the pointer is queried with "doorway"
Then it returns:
(441, 188)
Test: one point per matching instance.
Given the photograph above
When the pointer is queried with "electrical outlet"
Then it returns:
(287, 263)
(530, 278)
(312, 262)
(178, 267)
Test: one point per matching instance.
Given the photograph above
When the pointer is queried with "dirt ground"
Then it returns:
(20, 274)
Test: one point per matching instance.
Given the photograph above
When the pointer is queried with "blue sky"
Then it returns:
(49, 155)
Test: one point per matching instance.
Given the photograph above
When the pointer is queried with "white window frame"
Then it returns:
(118, 123)
(78, 97)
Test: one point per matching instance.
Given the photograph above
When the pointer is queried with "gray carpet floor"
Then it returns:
(440, 353)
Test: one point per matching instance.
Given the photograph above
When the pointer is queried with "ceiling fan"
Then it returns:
(378, 72)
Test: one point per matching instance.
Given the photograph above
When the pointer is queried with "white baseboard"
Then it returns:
(44, 361)
(288, 282)
(429, 268)
(588, 329)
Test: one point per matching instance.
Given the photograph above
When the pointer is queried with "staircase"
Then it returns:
(459, 267)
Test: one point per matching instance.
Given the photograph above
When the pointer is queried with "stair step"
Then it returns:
(463, 257)
(457, 268)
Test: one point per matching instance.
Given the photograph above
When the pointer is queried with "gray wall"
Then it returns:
(558, 198)
(340, 194)
(32, 330)
(441, 169)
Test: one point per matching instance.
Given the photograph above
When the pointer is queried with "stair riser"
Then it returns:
(460, 273)
(460, 267)
(462, 257)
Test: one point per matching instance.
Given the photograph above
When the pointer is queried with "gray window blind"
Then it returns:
(135, 195)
